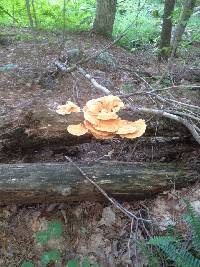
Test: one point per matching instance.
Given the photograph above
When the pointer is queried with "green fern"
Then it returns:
(194, 222)
(174, 251)
(152, 259)
(173, 245)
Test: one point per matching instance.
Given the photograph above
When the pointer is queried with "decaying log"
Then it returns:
(53, 182)
(43, 127)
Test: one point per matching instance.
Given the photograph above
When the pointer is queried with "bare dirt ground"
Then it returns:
(96, 230)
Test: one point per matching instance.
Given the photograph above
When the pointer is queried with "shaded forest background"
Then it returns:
(144, 19)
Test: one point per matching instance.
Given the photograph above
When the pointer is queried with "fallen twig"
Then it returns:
(129, 214)
(168, 115)
(93, 81)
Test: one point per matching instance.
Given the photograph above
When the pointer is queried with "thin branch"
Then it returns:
(194, 86)
(7, 13)
(184, 114)
(129, 214)
(93, 81)
(168, 115)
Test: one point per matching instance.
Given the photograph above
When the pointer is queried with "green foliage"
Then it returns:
(127, 87)
(27, 264)
(174, 247)
(42, 237)
(194, 222)
(84, 263)
(72, 263)
(50, 256)
(152, 259)
(174, 251)
(79, 15)
(54, 230)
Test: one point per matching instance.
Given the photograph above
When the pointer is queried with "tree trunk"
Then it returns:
(64, 19)
(105, 16)
(13, 13)
(166, 29)
(28, 10)
(180, 28)
(53, 182)
(34, 13)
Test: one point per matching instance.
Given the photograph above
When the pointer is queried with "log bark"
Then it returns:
(55, 182)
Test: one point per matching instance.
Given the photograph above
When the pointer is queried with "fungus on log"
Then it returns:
(102, 120)
(53, 182)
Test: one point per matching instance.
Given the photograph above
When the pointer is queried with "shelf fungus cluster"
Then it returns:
(101, 119)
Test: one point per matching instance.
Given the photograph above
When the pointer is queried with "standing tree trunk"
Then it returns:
(13, 13)
(105, 16)
(166, 30)
(180, 28)
(28, 9)
(34, 13)
(64, 18)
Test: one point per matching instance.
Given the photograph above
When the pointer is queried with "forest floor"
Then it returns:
(96, 230)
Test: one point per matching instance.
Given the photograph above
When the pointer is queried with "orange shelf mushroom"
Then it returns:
(102, 121)
(68, 108)
(140, 128)
(78, 129)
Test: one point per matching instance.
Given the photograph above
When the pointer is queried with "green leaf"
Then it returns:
(72, 263)
(54, 229)
(42, 237)
(50, 256)
(155, 13)
(27, 264)
(85, 263)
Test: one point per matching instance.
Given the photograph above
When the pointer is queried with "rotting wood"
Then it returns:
(54, 182)
(41, 127)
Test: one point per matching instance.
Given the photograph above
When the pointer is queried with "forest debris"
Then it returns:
(196, 206)
(106, 59)
(162, 213)
(108, 217)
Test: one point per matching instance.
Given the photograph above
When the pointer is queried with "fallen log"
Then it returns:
(55, 182)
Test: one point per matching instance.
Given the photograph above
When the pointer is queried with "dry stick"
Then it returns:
(190, 126)
(194, 86)
(93, 81)
(176, 118)
(184, 114)
(112, 200)
(129, 240)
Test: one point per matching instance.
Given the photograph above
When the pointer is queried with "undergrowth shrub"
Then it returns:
(174, 248)
(145, 24)
(54, 231)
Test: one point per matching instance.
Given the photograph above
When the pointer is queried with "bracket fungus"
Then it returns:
(101, 119)
(68, 108)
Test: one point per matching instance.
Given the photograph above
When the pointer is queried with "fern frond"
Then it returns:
(152, 259)
(193, 220)
(176, 253)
